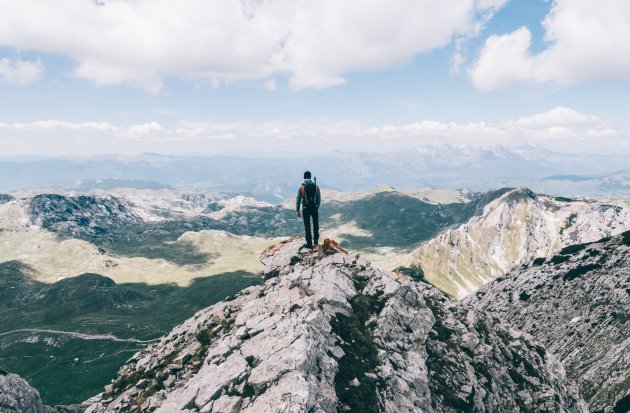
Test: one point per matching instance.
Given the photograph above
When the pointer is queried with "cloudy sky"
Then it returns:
(81, 77)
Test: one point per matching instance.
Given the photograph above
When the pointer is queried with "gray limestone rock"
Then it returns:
(577, 304)
(328, 332)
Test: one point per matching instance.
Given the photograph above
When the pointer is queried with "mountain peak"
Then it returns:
(517, 195)
(328, 332)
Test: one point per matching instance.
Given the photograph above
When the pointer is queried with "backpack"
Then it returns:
(309, 195)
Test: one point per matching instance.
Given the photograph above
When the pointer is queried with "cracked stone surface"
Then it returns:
(278, 347)
(576, 303)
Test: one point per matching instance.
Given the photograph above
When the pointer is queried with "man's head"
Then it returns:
(307, 175)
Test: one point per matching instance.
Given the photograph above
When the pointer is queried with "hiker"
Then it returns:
(310, 198)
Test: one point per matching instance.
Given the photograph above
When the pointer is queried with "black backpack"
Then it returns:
(309, 194)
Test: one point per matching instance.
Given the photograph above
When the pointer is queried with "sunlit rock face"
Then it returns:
(328, 332)
(577, 303)
(514, 228)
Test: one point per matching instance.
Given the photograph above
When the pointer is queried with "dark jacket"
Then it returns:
(298, 200)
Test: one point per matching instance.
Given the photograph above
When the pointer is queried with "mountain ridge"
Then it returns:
(515, 227)
(577, 303)
(442, 166)
(327, 331)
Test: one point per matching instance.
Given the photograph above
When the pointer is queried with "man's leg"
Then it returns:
(307, 225)
(315, 214)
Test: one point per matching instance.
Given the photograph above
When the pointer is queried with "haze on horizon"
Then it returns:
(207, 77)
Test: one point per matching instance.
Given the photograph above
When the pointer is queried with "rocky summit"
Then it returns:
(577, 303)
(328, 332)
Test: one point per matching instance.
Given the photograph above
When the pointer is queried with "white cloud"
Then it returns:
(42, 125)
(557, 116)
(143, 130)
(559, 128)
(148, 131)
(315, 43)
(20, 72)
(502, 61)
(586, 40)
(600, 133)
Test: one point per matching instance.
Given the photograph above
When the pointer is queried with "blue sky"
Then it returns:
(127, 77)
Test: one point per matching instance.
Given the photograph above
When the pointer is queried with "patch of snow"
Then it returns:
(241, 201)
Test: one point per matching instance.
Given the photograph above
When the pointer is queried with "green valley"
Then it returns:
(115, 320)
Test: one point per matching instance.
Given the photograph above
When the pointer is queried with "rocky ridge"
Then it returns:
(577, 303)
(327, 332)
(514, 228)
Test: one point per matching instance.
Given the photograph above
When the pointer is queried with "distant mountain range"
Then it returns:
(109, 183)
(273, 179)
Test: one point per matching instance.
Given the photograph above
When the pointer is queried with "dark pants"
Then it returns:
(307, 213)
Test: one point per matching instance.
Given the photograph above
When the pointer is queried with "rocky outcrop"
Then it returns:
(577, 303)
(4, 198)
(327, 332)
(16, 396)
(514, 228)
(81, 216)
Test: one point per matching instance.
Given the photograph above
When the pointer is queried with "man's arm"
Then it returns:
(298, 201)
(318, 197)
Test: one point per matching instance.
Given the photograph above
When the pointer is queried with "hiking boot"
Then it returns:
(307, 245)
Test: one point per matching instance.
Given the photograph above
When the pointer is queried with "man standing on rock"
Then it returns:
(310, 198)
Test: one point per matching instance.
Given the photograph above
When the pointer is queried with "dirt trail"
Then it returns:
(82, 336)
